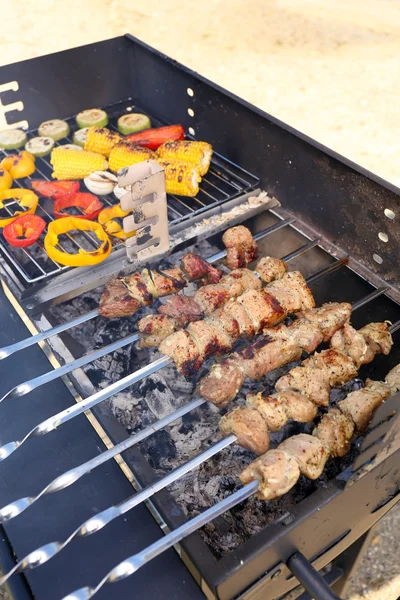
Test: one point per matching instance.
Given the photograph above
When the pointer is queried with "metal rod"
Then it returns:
(30, 341)
(132, 564)
(309, 578)
(56, 420)
(66, 479)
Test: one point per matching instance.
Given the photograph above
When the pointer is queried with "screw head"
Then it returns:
(277, 574)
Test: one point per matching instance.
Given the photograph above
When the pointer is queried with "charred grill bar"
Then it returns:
(247, 550)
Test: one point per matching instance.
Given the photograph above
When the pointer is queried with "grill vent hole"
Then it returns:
(377, 258)
(383, 237)
(191, 112)
(389, 213)
(190, 92)
(191, 131)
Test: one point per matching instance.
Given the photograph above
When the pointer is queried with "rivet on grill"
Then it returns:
(277, 574)
(190, 92)
(191, 112)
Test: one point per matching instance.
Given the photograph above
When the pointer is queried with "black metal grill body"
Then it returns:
(331, 197)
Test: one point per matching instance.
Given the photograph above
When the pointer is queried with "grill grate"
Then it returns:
(223, 182)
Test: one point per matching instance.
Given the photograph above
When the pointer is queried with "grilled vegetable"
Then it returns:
(82, 258)
(132, 123)
(74, 164)
(119, 192)
(80, 136)
(197, 153)
(93, 117)
(56, 129)
(153, 138)
(26, 200)
(126, 154)
(11, 139)
(19, 165)
(101, 140)
(180, 178)
(54, 189)
(100, 182)
(24, 231)
(73, 205)
(40, 146)
(111, 219)
(5, 180)
(71, 147)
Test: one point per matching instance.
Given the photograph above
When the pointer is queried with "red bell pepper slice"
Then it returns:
(24, 231)
(82, 201)
(55, 189)
(153, 138)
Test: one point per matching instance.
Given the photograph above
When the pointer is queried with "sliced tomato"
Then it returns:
(24, 231)
(55, 189)
(83, 202)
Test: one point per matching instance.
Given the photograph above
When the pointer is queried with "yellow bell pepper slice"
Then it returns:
(5, 180)
(82, 258)
(19, 165)
(109, 219)
(26, 199)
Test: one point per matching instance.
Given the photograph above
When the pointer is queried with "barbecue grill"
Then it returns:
(332, 220)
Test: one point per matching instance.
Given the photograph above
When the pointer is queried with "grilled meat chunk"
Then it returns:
(236, 311)
(277, 471)
(211, 297)
(239, 281)
(223, 382)
(249, 427)
(194, 267)
(393, 379)
(270, 268)
(306, 335)
(277, 409)
(116, 301)
(352, 343)
(182, 349)
(154, 328)
(208, 338)
(241, 247)
(162, 282)
(335, 431)
(330, 317)
(262, 307)
(184, 309)
(378, 337)
(309, 452)
(361, 404)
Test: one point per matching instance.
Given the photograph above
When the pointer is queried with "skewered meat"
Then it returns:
(335, 430)
(362, 403)
(292, 292)
(155, 328)
(378, 337)
(309, 452)
(182, 309)
(249, 427)
(278, 346)
(241, 247)
(277, 472)
(116, 301)
(181, 346)
(270, 268)
(208, 338)
(194, 267)
(211, 297)
(253, 311)
(278, 408)
(393, 379)
(328, 317)
(362, 345)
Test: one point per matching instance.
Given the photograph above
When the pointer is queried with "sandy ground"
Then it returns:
(330, 69)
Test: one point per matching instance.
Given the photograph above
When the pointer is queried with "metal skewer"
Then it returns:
(94, 524)
(12, 510)
(39, 337)
(56, 420)
(27, 386)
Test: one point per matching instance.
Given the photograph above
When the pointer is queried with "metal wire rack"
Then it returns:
(223, 182)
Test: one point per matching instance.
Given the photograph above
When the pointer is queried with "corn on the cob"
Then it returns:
(197, 153)
(102, 140)
(181, 178)
(126, 154)
(75, 164)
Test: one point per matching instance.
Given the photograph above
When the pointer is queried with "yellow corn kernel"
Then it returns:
(75, 164)
(102, 140)
(126, 155)
(181, 178)
(198, 153)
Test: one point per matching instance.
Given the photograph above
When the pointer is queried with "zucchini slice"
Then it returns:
(11, 139)
(93, 117)
(56, 129)
(40, 146)
(80, 136)
(133, 122)
(71, 147)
